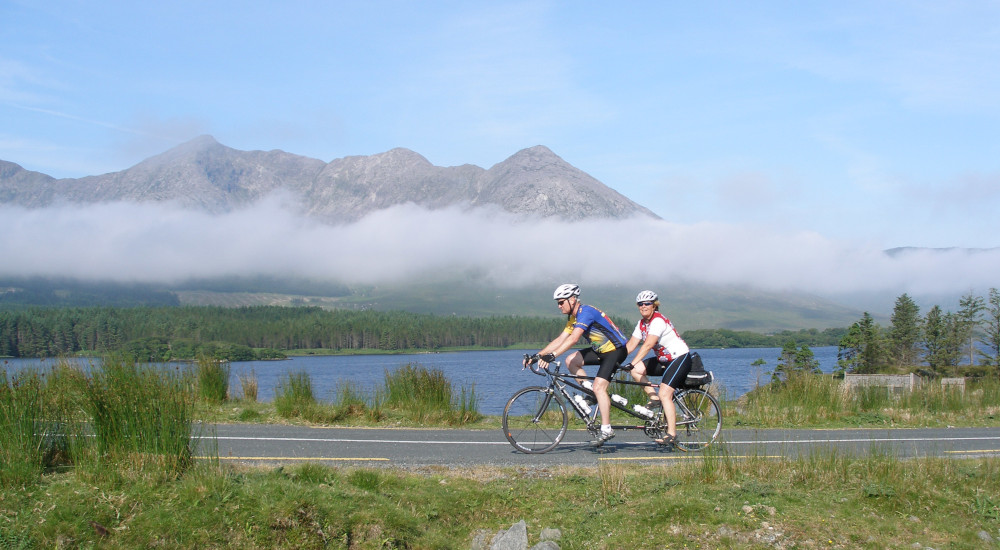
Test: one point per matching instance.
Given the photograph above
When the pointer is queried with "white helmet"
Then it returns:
(646, 296)
(565, 291)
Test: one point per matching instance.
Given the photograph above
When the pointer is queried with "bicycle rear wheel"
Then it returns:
(699, 420)
(534, 420)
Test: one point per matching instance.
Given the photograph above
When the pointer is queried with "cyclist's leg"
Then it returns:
(608, 363)
(574, 362)
(673, 379)
(647, 368)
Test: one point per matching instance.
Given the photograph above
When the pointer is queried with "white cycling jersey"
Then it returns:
(670, 344)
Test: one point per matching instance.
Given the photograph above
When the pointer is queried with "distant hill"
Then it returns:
(690, 307)
(206, 175)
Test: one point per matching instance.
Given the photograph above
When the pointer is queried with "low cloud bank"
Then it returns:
(161, 243)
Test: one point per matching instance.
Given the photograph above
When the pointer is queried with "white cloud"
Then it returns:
(162, 243)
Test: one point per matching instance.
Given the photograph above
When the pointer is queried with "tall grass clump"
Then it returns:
(140, 415)
(293, 397)
(426, 394)
(349, 401)
(249, 386)
(466, 407)
(21, 455)
(800, 399)
(213, 379)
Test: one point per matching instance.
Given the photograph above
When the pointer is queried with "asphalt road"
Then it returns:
(406, 448)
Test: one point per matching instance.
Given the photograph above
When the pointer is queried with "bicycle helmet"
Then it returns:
(646, 296)
(565, 291)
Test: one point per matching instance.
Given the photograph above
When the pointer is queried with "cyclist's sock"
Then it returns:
(606, 428)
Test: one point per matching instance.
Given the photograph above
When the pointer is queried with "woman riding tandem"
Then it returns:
(607, 348)
(672, 359)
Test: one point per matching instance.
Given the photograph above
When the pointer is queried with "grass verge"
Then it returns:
(820, 501)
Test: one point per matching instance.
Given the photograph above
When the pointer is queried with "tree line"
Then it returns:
(937, 343)
(163, 333)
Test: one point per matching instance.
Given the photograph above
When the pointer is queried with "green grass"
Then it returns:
(132, 483)
(820, 501)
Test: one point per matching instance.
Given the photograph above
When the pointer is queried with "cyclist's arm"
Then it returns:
(647, 345)
(632, 343)
(563, 342)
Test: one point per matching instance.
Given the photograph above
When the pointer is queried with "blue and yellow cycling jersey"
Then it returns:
(597, 327)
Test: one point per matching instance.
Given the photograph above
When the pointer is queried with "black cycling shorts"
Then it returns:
(608, 361)
(673, 372)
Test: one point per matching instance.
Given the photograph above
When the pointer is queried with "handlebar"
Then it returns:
(531, 362)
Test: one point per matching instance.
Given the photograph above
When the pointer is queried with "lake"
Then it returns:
(495, 375)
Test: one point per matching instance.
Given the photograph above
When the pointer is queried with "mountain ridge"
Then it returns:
(206, 175)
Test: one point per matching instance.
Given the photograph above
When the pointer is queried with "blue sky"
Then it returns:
(863, 124)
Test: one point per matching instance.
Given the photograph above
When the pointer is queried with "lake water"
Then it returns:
(495, 375)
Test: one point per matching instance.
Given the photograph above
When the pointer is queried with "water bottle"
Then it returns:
(619, 399)
(583, 404)
(643, 411)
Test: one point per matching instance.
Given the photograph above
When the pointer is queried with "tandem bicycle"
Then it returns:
(536, 418)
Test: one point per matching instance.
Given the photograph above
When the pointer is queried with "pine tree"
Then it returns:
(942, 342)
(967, 320)
(795, 361)
(904, 334)
(991, 330)
(862, 349)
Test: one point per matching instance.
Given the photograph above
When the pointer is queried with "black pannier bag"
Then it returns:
(698, 376)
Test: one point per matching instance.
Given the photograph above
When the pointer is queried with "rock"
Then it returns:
(515, 538)
(545, 545)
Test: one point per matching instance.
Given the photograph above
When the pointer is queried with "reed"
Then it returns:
(249, 386)
(21, 454)
(213, 379)
(294, 396)
(426, 394)
(141, 415)
(418, 388)
(466, 408)
(349, 401)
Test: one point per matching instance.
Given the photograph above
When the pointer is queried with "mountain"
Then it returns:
(206, 175)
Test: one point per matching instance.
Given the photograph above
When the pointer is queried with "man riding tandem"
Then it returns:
(607, 348)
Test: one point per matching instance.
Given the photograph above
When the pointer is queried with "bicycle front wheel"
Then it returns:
(534, 420)
(699, 420)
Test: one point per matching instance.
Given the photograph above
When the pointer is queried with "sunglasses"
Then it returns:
(561, 302)
(640, 304)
